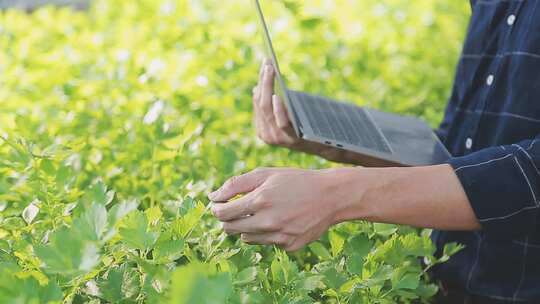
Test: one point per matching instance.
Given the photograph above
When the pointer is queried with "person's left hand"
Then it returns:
(286, 207)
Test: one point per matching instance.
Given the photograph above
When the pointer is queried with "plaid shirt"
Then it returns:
(492, 127)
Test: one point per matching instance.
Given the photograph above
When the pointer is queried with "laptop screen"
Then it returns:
(279, 87)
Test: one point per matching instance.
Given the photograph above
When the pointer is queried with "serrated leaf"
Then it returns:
(417, 246)
(93, 222)
(134, 232)
(68, 253)
(98, 193)
(121, 283)
(310, 283)
(452, 248)
(360, 245)
(320, 251)
(355, 263)
(336, 242)
(381, 274)
(120, 210)
(185, 224)
(168, 250)
(408, 281)
(187, 204)
(246, 276)
(153, 215)
(333, 279)
(384, 230)
(26, 289)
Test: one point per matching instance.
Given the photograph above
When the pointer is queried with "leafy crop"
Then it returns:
(115, 123)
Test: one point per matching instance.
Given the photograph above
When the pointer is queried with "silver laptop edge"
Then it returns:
(281, 88)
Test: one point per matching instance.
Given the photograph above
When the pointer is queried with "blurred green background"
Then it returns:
(151, 100)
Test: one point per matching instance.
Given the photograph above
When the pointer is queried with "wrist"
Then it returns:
(349, 192)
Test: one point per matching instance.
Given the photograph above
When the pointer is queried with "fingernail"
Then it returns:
(212, 195)
(268, 70)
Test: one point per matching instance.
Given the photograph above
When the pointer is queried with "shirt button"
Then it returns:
(489, 80)
(511, 19)
(468, 143)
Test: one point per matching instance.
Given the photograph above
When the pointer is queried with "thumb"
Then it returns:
(240, 184)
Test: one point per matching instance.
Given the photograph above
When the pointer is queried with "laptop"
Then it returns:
(369, 136)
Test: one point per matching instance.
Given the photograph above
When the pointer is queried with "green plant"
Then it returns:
(116, 122)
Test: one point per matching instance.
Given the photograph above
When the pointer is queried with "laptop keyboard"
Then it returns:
(343, 122)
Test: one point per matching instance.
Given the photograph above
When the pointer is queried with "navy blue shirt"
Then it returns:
(492, 127)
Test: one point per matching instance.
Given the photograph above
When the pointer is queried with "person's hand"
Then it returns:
(270, 114)
(286, 207)
(273, 126)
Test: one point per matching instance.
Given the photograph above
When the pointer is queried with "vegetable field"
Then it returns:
(117, 121)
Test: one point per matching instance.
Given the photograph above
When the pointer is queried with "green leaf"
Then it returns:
(187, 204)
(68, 253)
(14, 289)
(168, 250)
(334, 279)
(427, 291)
(310, 283)
(197, 283)
(119, 211)
(384, 230)
(320, 251)
(187, 223)
(336, 242)
(381, 274)
(93, 222)
(134, 232)
(355, 263)
(452, 248)
(282, 269)
(408, 281)
(359, 245)
(121, 283)
(246, 276)
(310, 23)
(98, 193)
(278, 276)
(154, 215)
(417, 246)
(48, 167)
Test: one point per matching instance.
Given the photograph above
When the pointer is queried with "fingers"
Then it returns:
(236, 209)
(251, 224)
(257, 89)
(240, 184)
(284, 241)
(271, 120)
(280, 113)
(280, 239)
(267, 90)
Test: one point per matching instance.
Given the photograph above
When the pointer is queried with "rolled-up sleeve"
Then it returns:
(503, 187)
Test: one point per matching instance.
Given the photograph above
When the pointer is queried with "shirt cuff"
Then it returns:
(502, 188)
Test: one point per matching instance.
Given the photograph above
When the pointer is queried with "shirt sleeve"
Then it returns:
(503, 187)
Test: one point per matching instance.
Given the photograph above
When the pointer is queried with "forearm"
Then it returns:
(427, 197)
